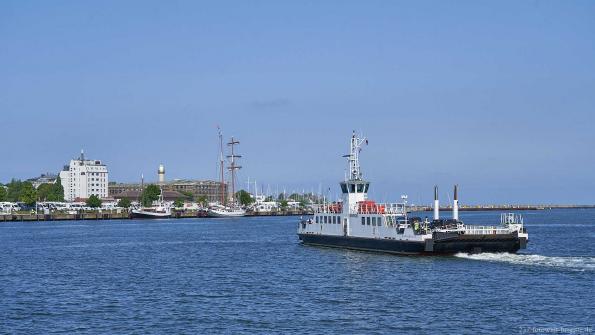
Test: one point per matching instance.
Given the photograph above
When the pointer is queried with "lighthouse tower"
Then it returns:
(161, 174)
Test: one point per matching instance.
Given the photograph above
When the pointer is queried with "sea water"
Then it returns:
(251, 275)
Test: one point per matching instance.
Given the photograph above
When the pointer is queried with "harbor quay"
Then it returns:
(125, 215)
(183, 214)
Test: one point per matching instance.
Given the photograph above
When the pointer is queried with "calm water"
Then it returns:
(250, 275)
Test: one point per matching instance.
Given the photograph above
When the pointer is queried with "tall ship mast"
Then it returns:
(221, 166)
(233, 167)
(227, 208)
(358, 223)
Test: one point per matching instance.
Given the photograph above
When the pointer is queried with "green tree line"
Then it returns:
(23, 191)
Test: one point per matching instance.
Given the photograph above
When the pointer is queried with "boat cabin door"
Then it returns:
(345, 227)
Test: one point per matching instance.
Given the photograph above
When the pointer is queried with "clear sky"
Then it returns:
(498, 96)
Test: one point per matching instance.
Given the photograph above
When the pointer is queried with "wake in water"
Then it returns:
(574, 263)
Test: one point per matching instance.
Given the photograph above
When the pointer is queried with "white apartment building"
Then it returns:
(84, 177)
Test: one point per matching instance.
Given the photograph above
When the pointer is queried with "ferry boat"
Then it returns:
(359, 223)
(160, 210)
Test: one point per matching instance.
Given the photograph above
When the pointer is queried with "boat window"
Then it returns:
(334, 219)
(360, 188)
(366, 188)
(338, 219)
(325, 219)
(363, 220)
(352, 188)
(317, 219)
(344, 187)
(368, 220)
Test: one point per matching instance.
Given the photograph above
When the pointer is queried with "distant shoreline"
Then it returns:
(502, 208)
(106, 215)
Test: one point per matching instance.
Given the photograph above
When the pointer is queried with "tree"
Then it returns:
(28, 194)
(179, 203)
(94, 201)
(51, 192)
(13, 192)
(43, 191)
(57, 191)
(150, 194)
(203, 200)
(284, 204)
(244, 198)
(124, 203)
(2, 193)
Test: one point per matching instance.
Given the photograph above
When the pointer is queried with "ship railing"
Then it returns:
(328, 208)
(511, 218)
(485, 230)
(379, 208)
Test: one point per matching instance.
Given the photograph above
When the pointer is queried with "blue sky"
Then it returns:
(498, 96)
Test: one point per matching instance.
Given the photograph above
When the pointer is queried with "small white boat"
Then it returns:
(225, 211)
(160, 210)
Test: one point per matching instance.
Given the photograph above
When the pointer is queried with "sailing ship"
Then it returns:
(227, 208)
(359, 223)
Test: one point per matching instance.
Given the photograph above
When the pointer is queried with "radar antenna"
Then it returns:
(353, 157)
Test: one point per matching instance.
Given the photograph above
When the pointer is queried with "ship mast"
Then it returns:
(232, 166)
(221, 162)
(353, 157)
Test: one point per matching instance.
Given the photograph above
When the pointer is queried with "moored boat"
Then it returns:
(160, 210)
(231, 208)
(225, 211)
